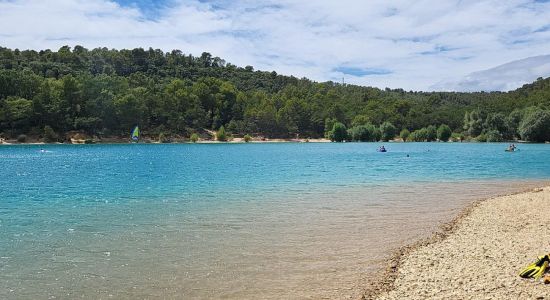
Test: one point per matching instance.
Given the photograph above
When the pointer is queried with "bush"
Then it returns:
(374, 132)
(247, 138)
(49, 135)
(21, 138)
(444, 132)
(404, 134)
(329, 124)
(220, 135)
(387, 131)
(493, 136)
(457, 137)
(431, 133)
(360, 133)
(194, 137)
(338, 132)
(420, 135)
(535, 126)
(481, 138)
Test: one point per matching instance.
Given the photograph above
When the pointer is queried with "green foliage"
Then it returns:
(431, 133)
(17, 112)
(360, 120)
(420, 135)
(329, 124)
(247, 138)
(495, 122)
(493, 136)
(512, 124)
(338, 132)
(481, 138)
(49, 135)
(220, 135)
(405, 134)
(106, 92)
(360, 133)
(444, 132)
(457, 137)
(535, 126)
(473, 122)
(376, 133)
(388, 131)
(194, 138)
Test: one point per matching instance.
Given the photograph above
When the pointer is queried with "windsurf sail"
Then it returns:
(135, 134)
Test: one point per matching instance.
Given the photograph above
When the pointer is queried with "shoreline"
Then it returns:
(385, 283)
(241, 141)
(147, 142)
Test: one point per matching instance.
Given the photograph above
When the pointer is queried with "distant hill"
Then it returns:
(105, 92)
(503, 78)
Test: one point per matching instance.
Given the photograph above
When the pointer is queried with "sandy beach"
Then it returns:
(477, 256)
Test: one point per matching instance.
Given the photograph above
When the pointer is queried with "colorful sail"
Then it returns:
(135, 134)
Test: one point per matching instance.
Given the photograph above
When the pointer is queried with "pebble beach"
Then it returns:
(478, 256)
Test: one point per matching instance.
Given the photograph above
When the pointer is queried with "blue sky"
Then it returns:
(415, 45)
(150, 9)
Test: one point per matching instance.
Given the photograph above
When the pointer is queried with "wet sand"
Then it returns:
(477, 256)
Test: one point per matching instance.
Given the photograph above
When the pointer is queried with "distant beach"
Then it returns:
(119, 140)
(478, 255)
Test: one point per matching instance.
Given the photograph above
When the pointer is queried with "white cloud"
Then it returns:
(420, 42)
(502, 78)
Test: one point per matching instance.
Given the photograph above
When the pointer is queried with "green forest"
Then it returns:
(45, 95)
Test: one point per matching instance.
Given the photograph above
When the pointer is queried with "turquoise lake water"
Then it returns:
(231, 220)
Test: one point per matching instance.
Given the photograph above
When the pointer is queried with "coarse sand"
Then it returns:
(477, 256)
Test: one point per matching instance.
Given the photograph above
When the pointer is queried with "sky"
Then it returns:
(414, 45)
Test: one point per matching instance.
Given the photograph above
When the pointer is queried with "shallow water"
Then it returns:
(232, 221)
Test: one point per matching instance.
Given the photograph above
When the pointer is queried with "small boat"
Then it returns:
(381, 149)
(135, 134)
(511, 148)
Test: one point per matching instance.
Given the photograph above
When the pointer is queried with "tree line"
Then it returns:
(105, 92)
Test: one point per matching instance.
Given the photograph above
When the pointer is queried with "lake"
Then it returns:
(234, 221)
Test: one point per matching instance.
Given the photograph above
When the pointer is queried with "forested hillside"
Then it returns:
(104, 92)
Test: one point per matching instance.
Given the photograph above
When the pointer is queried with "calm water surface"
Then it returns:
(232, 220)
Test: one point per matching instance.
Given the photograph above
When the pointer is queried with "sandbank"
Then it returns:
(476, 256)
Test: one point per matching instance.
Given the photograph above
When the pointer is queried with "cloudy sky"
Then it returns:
(418, 45)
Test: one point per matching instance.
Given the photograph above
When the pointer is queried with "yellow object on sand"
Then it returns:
(536, 269)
